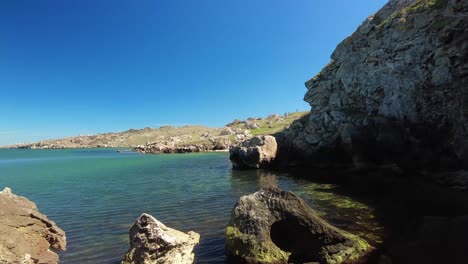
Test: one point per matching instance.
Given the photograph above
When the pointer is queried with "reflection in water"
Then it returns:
(342, 211)
(252, 180)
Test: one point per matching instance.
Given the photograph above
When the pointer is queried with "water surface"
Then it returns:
(95, 195)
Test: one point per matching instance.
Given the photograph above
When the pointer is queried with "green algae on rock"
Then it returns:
(276, 226)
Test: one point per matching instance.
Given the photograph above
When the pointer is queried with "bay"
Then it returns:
(95, 195)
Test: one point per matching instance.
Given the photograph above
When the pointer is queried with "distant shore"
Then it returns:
(169, 139)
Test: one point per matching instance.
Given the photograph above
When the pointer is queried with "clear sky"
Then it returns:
(91, 66)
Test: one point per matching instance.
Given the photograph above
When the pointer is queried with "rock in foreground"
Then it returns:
(276, 226)
(26, 235)
(258, 152)
(152, 242)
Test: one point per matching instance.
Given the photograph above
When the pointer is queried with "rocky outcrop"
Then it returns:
(157, 148)
(151, 242)
(275, 226)
(26, 235)
(396, 90)
(258, 152)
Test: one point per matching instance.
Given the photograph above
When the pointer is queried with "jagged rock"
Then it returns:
(399, 84)
(26, 235)
(276, 226)
(151, 242)
(258, 152)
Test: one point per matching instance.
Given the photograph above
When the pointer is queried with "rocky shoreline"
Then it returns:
(170, 139)
(389, 120)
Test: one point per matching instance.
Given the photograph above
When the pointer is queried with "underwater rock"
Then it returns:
(151, 242)
(276, 226)
(258, 152)
(26, 235)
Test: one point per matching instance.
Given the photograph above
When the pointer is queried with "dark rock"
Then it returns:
(438, 240)
(275, 226)
(395, 91)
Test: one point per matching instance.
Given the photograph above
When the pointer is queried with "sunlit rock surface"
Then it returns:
(26, 235)
(258, 152)
(151, 242)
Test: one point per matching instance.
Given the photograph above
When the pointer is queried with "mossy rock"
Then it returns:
(276, 226)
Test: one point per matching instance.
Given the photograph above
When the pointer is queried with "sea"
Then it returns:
(95, 196)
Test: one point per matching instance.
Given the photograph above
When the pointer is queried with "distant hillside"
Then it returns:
(237, 130)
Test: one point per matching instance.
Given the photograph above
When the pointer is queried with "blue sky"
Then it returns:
(91, 66)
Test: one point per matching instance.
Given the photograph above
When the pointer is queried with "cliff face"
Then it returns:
(394, 91)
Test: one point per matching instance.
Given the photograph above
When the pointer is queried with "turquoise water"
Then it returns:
(95, 195)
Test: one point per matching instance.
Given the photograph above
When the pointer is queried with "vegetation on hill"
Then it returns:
(237, 130)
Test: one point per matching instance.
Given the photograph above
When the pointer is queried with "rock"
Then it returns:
(152, 242)
(226, 131)
(221, 144)
(406, 69)
(276, 226)
(27, 236)
(258, 152)
(252, 125)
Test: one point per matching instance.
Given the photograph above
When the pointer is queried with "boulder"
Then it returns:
(151, 242)
(276, 226)
(226, 131)
(222, 144)
(258, 152)
(252, 125)
(26, 235)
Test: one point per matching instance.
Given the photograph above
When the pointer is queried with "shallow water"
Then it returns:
(95, 195)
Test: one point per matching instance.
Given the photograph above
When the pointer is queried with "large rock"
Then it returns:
(258, 152)
(275, 226)
(401, 77)
(26, 235)
(151, 242)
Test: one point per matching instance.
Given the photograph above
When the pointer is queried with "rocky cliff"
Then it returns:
(395, 91)
(26, 235)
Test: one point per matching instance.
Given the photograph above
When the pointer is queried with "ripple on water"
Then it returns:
(95, 196)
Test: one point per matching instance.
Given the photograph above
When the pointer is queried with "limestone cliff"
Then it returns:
(394, 91)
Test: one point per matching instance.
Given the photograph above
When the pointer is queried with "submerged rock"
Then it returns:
(152, 242)
(26, 235)
(258, 152)
(276, 226)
